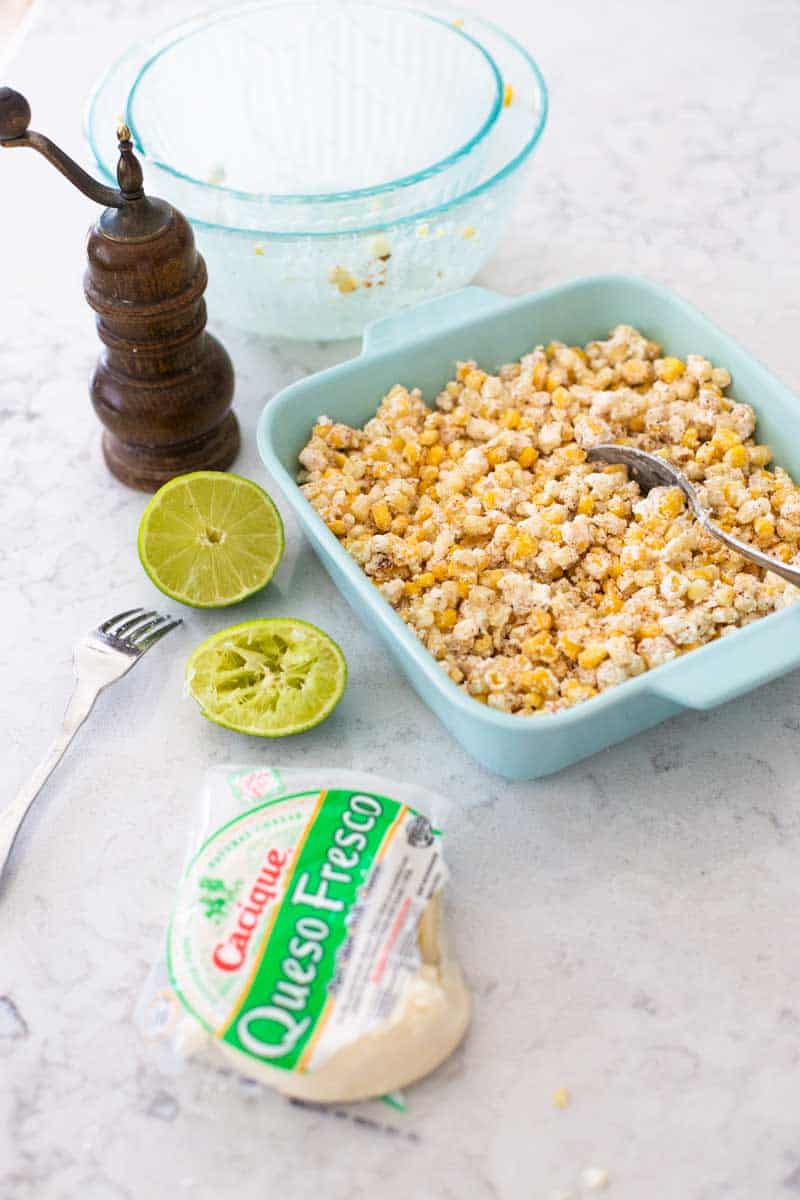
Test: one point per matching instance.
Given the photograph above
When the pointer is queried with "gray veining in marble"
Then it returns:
(628, 926)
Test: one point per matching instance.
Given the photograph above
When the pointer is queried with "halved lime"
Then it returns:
(270, 677)
(210, 538)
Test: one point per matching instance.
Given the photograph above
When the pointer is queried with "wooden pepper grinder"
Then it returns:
(162, 386)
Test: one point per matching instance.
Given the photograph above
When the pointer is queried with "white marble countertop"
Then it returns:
(627, 926)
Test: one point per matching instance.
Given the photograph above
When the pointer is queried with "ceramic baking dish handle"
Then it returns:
(701, 684)
(433, 316)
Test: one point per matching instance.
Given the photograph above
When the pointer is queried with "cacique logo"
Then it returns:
(231, 954)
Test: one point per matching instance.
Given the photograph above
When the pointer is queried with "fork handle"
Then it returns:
(786, 570)
(80, 705)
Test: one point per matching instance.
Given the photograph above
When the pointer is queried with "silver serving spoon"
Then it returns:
(649, 471)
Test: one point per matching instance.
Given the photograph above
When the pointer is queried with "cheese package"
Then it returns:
(306, 946)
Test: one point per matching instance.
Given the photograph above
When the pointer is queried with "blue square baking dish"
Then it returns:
(419, 348)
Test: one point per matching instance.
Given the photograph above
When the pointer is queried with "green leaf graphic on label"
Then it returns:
(216, 897)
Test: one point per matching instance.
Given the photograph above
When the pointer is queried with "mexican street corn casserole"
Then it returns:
(537, 579)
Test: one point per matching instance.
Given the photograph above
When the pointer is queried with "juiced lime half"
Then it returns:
(271, 677)
(210, 538)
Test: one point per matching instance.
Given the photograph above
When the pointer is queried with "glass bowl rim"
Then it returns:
(423, 215)
(188, 29)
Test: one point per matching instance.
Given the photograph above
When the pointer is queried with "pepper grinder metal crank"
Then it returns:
(162, 386)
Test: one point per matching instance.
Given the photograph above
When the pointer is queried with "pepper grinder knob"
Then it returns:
(129, 170)
(15, 115)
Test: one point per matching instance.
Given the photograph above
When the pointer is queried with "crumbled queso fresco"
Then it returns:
(535, 578)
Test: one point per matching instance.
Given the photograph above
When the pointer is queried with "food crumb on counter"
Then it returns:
(535, 578)
(594, 1178)
(562, 1098)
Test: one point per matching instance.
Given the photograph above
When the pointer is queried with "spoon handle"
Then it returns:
(789, 573)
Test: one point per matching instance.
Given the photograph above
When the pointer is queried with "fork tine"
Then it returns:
(134, 621)
(157, 634)
(140, 630)
(106, 626)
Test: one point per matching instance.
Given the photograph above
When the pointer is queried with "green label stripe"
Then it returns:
(278, 1016)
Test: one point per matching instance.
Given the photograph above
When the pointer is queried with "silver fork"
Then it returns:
(103, 657)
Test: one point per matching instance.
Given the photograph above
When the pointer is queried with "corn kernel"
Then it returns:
(439, 571)
(497, 455)
(726, 438)
(527, 457)
(429, 437)
(522, 546)
(540, 648)
(698, 590)
(569, 646)
(411, 453)
(764, 528)
(381, 516)
(586, 506)
(511, 418)
(672, 504)
(463, 589)
(737, 456)
(592, 656)
(617, 506)
(649, 629)
(669, 369)
(539, 680)
(541, 619)
(560, 397)
(508, 95)
(447, 619)
(489, 500)
(760, 455)
(475, 379)
(611, 600)
(574, 691)
(435, 456)
(483, 645)
(539, 375)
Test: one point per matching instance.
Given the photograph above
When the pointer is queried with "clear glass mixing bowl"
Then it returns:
(276, 107)
(303, 266)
